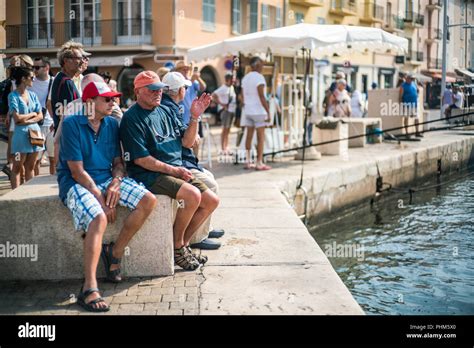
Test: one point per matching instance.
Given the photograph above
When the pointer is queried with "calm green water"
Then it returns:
(413, 260)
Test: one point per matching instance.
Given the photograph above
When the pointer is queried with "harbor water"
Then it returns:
(402, 258)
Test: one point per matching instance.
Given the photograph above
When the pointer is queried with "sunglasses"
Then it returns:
(76, 57)
(37, 67)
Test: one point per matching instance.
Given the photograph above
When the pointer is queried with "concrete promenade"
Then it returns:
(268, 264)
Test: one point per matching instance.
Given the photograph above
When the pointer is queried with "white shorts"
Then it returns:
(256, 121)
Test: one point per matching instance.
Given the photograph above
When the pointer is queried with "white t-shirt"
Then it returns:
(41, 88)
(459, 99)
(223, 92)
(252, 103)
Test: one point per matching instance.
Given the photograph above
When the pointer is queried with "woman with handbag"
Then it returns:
(25, 111)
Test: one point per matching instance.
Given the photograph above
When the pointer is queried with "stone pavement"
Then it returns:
(174, 295)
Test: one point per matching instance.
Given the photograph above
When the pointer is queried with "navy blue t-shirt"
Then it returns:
(63, 91)
(150, 133)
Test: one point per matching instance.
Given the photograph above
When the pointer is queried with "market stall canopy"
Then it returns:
(465, 73)
(286, 41)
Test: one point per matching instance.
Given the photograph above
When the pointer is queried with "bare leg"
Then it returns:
(260, 143)
(18, 161)
(52, 166)
(248, 143)
(225, 138)
(30, 163)
(209, 203)
(92, 249)
(191, 198)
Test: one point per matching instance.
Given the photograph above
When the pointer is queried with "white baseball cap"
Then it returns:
(175, 80)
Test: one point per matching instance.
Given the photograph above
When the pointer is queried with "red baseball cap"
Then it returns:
(149, 79)
(98, 89)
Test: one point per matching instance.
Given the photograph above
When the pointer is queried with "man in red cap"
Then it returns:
(153, 143)
(91, 178)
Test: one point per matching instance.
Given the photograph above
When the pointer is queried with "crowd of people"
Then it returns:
(104, 156)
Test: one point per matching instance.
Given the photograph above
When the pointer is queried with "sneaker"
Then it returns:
(419, 135)
(200, 258)
(184, 259)
(216, 233)
(206, 244)
(6, 169)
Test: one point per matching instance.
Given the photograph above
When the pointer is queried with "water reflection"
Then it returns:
(417, 259)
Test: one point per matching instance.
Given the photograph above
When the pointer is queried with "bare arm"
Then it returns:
(20, 118)
(400, 93)
(84, 179)
(197, 108)
(37, 118)
(263, 100)
(118, 168)
(202, 84)
(152, 164)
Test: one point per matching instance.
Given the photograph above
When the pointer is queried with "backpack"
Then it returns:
(5, 89)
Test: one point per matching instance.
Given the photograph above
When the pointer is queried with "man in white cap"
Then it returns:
(172, 97)
(91, 178)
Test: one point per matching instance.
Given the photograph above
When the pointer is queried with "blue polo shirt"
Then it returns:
(150, 133)
(79, 142)
(190, 161)
(191, 94)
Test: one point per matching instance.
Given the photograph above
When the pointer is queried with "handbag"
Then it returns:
(36, 137)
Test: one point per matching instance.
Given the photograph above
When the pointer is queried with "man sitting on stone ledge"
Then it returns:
(92, 183)
(152, 143)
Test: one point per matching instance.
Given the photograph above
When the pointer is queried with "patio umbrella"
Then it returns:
(319, 38)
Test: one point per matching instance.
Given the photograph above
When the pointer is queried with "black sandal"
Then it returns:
(202, 259)
(81, 301)
(108, 259)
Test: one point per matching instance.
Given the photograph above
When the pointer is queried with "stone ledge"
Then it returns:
(34, 215)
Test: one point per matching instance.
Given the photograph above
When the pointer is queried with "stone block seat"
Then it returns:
(34, 215)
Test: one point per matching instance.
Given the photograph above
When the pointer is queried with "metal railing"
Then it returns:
(436, 2)
(397, 22)
(344, 5)
(372, 10)
(435, 63)
(126, 31)
(416, 56)
(414, 18)
(435, 34)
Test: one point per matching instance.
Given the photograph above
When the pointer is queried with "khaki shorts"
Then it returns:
(169, 185)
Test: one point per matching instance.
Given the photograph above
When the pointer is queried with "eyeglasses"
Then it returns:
(76, 57)
(37, 67)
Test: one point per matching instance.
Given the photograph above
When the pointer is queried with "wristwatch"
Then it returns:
(120, 178)
(196, 119)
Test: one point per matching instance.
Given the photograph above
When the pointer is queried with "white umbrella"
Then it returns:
(286, 41)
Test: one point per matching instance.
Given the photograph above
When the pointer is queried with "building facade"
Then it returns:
(127, 36)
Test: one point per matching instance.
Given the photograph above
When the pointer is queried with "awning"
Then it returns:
(422, 78)
(319, 38)
(465, 73)
(439, 77)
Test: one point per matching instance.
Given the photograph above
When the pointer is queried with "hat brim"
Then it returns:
(111, 94)
(156, 86)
